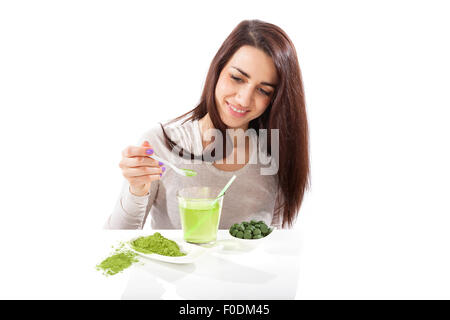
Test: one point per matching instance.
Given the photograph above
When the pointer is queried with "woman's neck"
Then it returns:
(205, 124)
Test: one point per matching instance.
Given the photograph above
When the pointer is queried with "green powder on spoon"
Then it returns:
(190, 173)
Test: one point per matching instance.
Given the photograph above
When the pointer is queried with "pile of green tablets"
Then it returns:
(250, 230)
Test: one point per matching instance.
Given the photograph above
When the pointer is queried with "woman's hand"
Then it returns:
(139, 169)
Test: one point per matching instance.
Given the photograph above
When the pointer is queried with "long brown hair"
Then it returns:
(286, 111)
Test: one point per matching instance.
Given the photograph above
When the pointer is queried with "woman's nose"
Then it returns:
(244, 97)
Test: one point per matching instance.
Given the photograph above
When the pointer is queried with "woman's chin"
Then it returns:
(233, 124)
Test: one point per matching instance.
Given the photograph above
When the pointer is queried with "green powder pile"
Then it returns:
(156, 243)
(122, 258)
(117, 262)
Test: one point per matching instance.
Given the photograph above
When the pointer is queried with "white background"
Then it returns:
(81, 80)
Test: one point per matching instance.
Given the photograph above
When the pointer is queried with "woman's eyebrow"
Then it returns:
(246, 74)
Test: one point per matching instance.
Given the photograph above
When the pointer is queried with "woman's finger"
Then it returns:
(141, 171)
(139, 162)
(144, 179)
(136, 151)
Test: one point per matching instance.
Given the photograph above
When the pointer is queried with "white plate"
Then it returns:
(193, 252)
(251, 242)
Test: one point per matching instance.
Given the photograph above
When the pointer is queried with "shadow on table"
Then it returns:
(143, 286)
(213, 276)
(154, 279)
(148, 279)
(207, 266)
(283, 247)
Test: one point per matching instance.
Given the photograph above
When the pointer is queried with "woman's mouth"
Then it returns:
(235, 111)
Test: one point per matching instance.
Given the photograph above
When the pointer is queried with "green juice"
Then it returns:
(200, 220)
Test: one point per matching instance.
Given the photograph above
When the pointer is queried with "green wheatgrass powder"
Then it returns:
(117, 262)
(189, 173)
(156, 243)
(123, 258)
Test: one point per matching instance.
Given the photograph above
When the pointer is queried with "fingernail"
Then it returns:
(160, 174)
(163, 169)
(160, 163)
(149, 151)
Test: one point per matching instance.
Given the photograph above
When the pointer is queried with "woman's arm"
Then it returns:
(277, 220)
(131, 211)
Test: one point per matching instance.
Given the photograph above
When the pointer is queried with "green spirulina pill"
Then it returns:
(250, 230)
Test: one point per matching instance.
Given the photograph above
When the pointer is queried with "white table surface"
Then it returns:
(268, 271)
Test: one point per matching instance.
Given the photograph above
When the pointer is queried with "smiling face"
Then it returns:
(245, 87)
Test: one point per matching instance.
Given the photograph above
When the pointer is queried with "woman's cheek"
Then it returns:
(262, 105)
(219, 89)
(227, 87)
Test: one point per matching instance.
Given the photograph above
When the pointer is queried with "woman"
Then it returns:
(254, 84)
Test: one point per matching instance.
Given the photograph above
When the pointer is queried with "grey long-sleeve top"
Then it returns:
(251, 196)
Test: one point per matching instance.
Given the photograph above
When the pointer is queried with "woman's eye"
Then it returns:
(260, 90)
(236, 78)
(265, 92)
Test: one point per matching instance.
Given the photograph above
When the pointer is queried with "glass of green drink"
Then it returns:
(200, 213)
